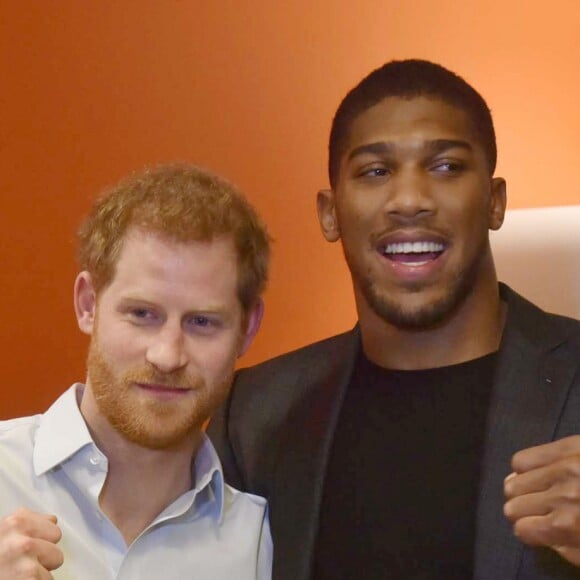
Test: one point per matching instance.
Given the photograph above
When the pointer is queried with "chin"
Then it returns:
(158, 439)
(419, 310)
(425, 318)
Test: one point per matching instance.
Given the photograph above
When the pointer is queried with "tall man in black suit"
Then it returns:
(436, 440)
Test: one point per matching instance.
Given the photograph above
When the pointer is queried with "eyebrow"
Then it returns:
(433, 147)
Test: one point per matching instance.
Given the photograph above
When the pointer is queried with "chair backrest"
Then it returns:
(537, 252)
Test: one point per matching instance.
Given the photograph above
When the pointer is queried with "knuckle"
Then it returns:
(22, 545)
(571, 466)
(524, 531)
(28, 569)
(507, 510)
(571, 444)
(12, 522)
(564, 521)
(16, 521)
(508, 489)
(518, 461)
(570, 492)
(59, 560)
(510, 511)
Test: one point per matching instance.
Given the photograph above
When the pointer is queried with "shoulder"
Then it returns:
(306, 362)
(279, 382)
(286, 376)
(239, 503)
(17, 440)
(522, 311)
(247, 429)
(542, 328)
(21, 428)
(246, 515)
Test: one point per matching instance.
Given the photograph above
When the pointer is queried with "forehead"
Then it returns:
(397, 119)
(152, 262)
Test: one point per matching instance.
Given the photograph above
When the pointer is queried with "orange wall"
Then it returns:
(91, 91)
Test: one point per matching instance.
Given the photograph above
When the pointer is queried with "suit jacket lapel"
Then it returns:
(301, 466)
(528, 396)
(525, 410)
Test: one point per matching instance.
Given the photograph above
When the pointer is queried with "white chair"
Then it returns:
(537, 252)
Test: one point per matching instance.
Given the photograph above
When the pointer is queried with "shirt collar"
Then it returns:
(207, 471)
(61, 433)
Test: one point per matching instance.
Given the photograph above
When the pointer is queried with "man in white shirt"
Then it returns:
(117, 479)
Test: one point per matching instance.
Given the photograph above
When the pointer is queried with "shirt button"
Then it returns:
(95, 460)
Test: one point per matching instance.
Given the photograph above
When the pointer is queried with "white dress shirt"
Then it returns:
(49, 463)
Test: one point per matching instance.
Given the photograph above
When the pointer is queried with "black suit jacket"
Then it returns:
(275, 432)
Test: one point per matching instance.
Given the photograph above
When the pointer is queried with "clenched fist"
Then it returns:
(543, 496)
(28, 547)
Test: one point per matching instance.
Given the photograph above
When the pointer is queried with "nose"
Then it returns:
(166, 350)
(410, 196)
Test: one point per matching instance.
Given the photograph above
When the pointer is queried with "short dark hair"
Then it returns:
(408, 79)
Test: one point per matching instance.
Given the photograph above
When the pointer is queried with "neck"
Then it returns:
(140, 482)
(473, 330)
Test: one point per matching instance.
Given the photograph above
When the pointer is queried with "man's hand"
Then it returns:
(543, 494)
(28, 546)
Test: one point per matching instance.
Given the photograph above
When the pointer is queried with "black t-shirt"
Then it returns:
(401, 486)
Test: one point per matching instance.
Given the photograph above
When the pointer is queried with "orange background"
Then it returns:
(93, 90)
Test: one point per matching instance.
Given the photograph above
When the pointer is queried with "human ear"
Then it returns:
(327, 215)
(253, 321)
(85, 302)
(498, 201)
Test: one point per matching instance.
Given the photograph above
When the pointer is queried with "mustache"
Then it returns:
(178, 379)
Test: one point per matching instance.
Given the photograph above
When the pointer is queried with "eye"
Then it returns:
(141, 313)
(201, 322)
(374, 172)
(448, 166)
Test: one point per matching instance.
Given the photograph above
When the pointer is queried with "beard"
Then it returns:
(145, 421)
(429, 315)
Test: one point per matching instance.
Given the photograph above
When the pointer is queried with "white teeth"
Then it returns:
(413, 248)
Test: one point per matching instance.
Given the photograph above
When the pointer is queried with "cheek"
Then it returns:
(355, 216)
(119, 346)
(478, 217)
(468, 210)
(215, 360)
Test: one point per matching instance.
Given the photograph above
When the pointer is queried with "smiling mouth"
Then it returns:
(413, 254)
